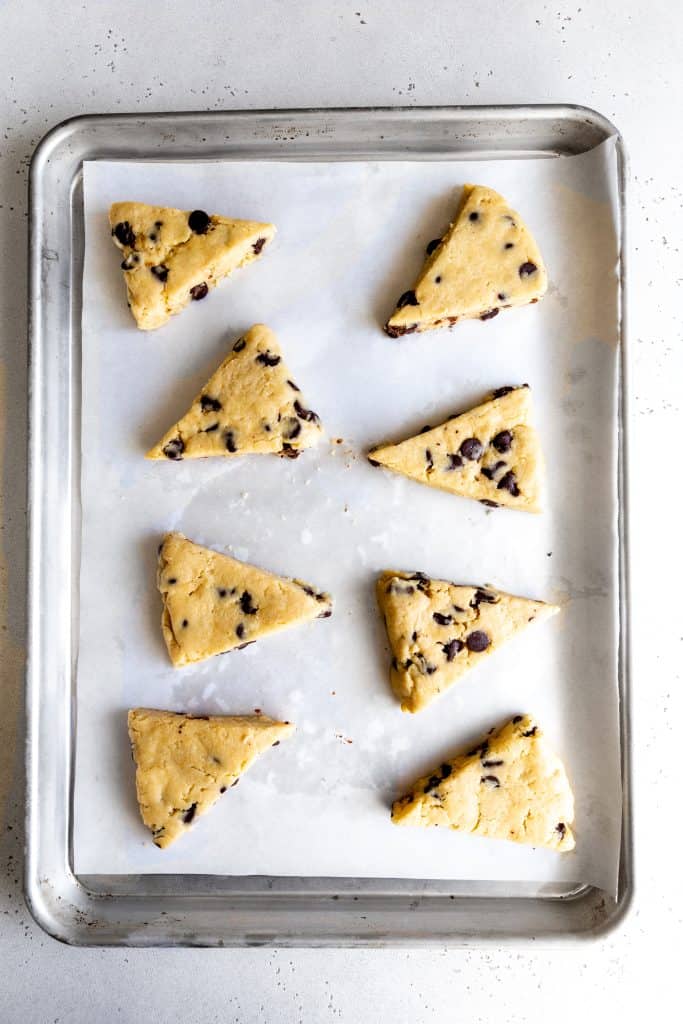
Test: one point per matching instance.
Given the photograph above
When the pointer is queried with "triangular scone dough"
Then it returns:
(511, 786)
(175, 256)
(185, 762)
(438, 630)
(250, 404)
(487, 261)
(490, 453)
(213, 603)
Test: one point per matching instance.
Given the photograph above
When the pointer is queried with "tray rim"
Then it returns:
(74, 914)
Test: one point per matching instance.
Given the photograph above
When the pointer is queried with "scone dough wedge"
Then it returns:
(439, 630)
(172, 257)
(214, 603)
(491, 453)
(251, 404)
(184, 763)
(488, 260)
(511, 786)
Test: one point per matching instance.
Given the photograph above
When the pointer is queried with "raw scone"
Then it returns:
(213, 603)
(172, 257)
(490, 453)
(511, 786)
(438, 630)
(487, 261)
(250, 404)
(184, 763)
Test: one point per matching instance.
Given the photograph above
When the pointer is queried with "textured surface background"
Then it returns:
(61, 59)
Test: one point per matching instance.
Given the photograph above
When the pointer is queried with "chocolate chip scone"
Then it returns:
(438, 630)
(250, 405)
(172, 257)
(488, 260)
(510, 786)
(213, 603)
(184, 763)
(491, 453)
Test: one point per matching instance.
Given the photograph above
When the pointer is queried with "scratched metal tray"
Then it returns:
(213, 910)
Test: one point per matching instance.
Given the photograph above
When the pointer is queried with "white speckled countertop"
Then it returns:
(622, 58)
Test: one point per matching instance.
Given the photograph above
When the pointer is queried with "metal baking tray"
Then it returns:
(213, 910)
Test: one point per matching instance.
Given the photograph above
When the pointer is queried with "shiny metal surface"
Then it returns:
(195, 910)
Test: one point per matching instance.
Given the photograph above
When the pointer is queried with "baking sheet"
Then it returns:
(351, 236)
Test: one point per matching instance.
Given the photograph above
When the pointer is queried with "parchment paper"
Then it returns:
(351, 237)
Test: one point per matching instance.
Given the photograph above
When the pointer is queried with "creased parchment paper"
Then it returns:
(350, 238)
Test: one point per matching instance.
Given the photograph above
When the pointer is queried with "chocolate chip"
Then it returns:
(307, 589)
(414, 637)
(452, 648)
(288, 452)
(222, 592)
(305, 414)
(488, 503)
(516, 719)
(531, 732)
(210, 430)
(502, 296)
(398, 332)
(230, 443)
(199, 222)
(561, 828)
(472, 449)
(489, 315)
(505, 390)
(172, 580)
(200, 291)
(477, 641)
(209, 404)
(509, 483)
(291, 427)
(407, 299)
(293, 385)
(232, 784)
(509, 245)
(527, 269)
(429, 460)
(492, 764)
(445, 770)
(458, 609)
(490, 471)
(239, 630)
(258, 245)
(174, 449)
(437, 279)
(454, 462)
(434, 244)
(423, 430)
(124, 233)
(189, 814)
(222, 789)
(482, 597)
(474, 215)
(442, 620)
(424, 666)
(267, 427)
(433, 782)
(492, 781)
(267, 359)
(160, 272)
(502, 442)
(130, 261)
(246, 604)
(373, 462)
(239, 345)
(481, 750)
(185, 623)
